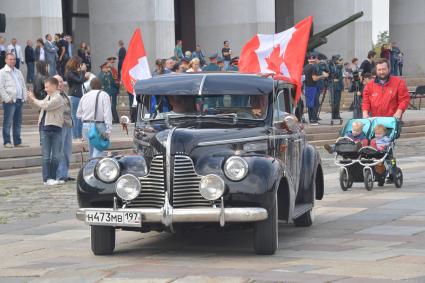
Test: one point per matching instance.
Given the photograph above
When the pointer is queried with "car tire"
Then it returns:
(102, 240)
(305, 220)
(266, 233)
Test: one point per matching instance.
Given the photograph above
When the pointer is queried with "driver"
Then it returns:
(181, 104)
(258, 105)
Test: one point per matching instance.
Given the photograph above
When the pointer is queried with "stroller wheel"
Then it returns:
(368, 180)
(398, 178)
(344, 180)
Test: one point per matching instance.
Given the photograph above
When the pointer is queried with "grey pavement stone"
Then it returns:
(393, 230)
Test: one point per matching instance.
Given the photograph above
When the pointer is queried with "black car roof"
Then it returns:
(205, 84)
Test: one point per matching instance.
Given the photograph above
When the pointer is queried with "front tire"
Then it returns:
(102, 240)
(266, 233)
(368, 180)
(305, 220)
(344, 180)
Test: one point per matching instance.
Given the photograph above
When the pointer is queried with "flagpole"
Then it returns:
(134, 95)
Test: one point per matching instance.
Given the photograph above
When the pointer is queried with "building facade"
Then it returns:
(102, 23)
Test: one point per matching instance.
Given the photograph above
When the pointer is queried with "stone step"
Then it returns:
(76, 148)
(34, 161)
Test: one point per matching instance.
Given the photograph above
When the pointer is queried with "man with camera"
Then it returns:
(311, 89)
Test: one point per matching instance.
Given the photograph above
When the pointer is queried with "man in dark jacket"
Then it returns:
(29, 60)
(121, 56)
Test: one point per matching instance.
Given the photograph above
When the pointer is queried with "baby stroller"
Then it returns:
(368, 165)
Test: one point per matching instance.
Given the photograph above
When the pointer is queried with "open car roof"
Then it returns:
(206, 84)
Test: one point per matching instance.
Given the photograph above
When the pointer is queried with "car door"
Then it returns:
(288, 141)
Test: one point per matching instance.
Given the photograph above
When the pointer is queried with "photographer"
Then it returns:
(311, 89)
(336, 67)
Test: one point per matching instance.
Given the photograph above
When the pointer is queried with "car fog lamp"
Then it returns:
(128, 187)
(107, 170)
(211, 187)
(235, 168)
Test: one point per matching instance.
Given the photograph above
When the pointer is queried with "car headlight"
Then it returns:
(128, 187)
(107, 170)
(211, 187)
(235, 168)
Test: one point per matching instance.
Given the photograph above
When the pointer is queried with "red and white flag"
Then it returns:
(282, 54)
(135, 66)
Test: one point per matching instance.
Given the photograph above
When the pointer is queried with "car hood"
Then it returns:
(185, 140)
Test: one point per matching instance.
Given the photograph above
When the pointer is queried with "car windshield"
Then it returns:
(253, 107)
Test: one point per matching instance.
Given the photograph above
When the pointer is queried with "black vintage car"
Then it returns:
(210, 149)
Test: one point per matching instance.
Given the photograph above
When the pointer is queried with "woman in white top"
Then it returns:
(39, 50)
(194, 66)
(86, 109)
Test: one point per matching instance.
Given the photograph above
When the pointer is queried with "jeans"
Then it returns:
(66, 154)
(94, 152)
(226, 65)
(30, 72)
(77, 129)
(51, 147)
(52, 68)
(12, 114)
(394, 67)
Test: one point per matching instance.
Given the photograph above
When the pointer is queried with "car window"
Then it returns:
(237, 106)
(283, 104)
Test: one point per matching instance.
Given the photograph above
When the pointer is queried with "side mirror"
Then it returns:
(289, 124)
(124, 120)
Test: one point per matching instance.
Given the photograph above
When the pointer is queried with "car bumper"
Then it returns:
(181, 215)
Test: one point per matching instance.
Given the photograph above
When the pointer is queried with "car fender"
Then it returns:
(311, 164)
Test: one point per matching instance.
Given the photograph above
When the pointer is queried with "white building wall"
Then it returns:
(233, 20)
(112, 20)
(407, 26)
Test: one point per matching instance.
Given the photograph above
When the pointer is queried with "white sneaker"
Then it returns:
(60, 182)
(51, 182)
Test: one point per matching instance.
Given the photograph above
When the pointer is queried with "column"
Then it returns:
(164, 28)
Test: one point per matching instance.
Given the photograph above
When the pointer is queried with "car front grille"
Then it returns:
(185, 185)
(153, 186)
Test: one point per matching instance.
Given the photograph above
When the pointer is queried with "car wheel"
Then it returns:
(102, 240)
(305, 220)
(266, 233)
(344, 180)
(398, 180)
(368, 180)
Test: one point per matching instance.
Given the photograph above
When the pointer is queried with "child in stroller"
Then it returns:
(372, 163)
(356, 136)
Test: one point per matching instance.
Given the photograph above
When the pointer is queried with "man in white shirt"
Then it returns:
(86, 112)
(16, 49)
(12, 93)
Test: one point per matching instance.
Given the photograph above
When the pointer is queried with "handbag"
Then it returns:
(97, 136)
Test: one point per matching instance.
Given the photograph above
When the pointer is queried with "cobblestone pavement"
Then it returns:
(358, 236)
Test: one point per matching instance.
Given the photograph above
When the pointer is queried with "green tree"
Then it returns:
(382, 38)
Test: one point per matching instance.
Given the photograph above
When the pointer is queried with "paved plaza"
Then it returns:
(358, 236)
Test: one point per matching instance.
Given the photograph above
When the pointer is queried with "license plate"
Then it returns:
(114, 217)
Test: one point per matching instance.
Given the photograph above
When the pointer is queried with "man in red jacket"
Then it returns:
(387, 95)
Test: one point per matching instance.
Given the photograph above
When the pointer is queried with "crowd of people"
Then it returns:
(322, 77)
(66, 113)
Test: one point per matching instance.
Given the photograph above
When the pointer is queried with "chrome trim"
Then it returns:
(168, 160)
(222, 214)
(201, 86)
(114, 161)
(155, 215)
(233, 141)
